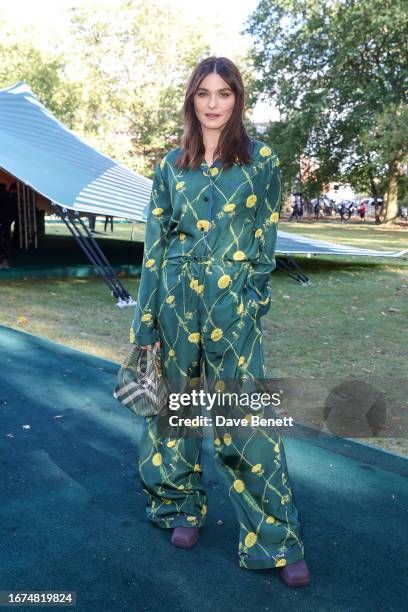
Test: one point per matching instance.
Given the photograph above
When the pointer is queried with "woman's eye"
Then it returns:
(225, 94)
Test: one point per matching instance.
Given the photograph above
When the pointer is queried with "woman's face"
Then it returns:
(214, 102)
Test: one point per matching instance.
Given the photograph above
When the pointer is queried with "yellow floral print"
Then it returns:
(240, 308)
(180, 185)
(216, 334)
(191, 519)
(238, 485)
(265, 151)
(250, 539)
(251, 201)
(157, 211)
(239, 255)
(227, 439)
(157, 459)
(203, 224)
(230, 207)
(150, 263)
(224, 281)
(194, 337)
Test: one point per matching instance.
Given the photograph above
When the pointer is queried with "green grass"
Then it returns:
(351, 321)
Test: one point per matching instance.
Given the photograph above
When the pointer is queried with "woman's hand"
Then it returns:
(149, 347)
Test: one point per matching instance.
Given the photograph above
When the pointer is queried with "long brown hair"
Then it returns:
(234, 143)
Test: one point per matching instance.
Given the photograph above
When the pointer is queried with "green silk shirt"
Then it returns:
(210, 213)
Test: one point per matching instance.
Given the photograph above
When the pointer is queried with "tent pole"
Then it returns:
(300, 277)
(19, 208)
(34, 208)
(95, 254)
(88, 252)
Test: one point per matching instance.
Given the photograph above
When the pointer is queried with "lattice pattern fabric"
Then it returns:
(227, 218)
(209, 254)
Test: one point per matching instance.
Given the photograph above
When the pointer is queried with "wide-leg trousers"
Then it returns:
(220, 337)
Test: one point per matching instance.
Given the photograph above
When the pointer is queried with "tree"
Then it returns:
(134, 76)
(45, 74)
(339, 73)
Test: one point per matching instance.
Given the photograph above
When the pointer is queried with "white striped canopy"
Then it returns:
(39, 150)
(293, 243)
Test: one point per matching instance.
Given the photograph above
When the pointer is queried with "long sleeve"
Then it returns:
(143, 330)
(266, 230)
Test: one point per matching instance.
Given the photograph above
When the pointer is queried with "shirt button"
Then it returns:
(205, 199)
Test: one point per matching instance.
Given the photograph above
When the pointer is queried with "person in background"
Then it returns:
(91, 222)
(300, 211)
(8, 214)
(108, 219)
(316, 209)
(362, 211)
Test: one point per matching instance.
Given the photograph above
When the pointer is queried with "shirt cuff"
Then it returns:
(144, 338)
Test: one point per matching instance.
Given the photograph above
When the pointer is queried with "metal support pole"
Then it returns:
(20, 216)
(95, 254)
(34, 219)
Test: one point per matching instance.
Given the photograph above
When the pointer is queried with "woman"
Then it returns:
(209, 253)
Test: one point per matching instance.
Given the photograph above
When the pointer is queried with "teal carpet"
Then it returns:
(72, 513)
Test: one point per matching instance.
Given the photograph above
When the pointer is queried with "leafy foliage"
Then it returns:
(338, 71)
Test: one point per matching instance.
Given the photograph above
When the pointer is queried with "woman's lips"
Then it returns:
(212, 115)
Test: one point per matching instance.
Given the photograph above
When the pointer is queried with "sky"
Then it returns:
(46, 15)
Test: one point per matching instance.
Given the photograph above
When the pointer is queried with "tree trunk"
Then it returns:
(391, 200)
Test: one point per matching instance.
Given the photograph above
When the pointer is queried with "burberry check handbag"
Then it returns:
(140, 384)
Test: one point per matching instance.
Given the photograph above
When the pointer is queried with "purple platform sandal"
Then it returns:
(295, 574)
(185, 537)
